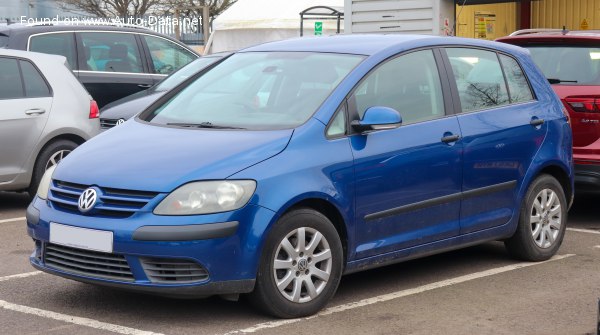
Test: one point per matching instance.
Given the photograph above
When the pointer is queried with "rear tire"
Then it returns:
(300, 267)
(51, 155)
(542, 221)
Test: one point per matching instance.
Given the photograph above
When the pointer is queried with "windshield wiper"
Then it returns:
(202, 125)
(558, 81)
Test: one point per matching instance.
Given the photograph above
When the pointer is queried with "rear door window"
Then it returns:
(166, 55)
(479, 78)
(110, 52)
(518, 87)
(33, 81)
(62, 44)
(11, 86)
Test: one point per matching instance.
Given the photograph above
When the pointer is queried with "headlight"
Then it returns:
(44, 186)
(207, 197)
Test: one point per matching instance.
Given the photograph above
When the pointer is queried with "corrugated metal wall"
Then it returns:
(569, 13)
(411, 16)
(506, 18)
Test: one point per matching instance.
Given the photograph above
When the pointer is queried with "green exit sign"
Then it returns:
(319, 28)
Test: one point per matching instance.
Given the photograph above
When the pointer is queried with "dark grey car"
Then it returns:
(111, 61)
(121, 110)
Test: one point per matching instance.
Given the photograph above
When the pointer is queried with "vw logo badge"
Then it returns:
(120, 121)
(87, 200)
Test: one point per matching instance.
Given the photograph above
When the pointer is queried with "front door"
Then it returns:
(408, 180)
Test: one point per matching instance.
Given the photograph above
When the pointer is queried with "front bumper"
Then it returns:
(229, 250)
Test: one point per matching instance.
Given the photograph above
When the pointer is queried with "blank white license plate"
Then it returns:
(83, 238)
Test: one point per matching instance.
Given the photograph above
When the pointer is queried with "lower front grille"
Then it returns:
(87, 263)
(173, 271)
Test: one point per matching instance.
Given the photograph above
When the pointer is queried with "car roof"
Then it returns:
(370, 44)
(42, 28)
(552, 36)
(34, 56)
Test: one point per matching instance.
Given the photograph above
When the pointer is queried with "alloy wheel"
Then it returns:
(56, 158)
(302, 265)
(546, 215)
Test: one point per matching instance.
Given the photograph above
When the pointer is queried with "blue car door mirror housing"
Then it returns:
(378, 118)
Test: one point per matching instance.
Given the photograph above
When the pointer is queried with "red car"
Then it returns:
(571, 62)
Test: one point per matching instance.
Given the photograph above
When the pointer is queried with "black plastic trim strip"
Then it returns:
(441, 200)
(186, 233)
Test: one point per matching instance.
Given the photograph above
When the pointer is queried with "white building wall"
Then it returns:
(394, 16)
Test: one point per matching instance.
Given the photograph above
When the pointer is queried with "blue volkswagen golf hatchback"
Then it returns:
(285, 166)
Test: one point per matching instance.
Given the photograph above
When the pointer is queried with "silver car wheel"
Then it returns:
(56, 158)
(302, 265)
(546, 215)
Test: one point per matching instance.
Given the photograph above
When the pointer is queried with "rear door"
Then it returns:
(502, 130)
(25, 103)
(111, 65)
(408, 179)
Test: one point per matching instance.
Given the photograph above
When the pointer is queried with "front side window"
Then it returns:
(35, 85)
(110, 52)
(518, 87)
(62, 44)
(410, 84)
(257, 90)
(568, 64)
(479, 78)
(166, 55)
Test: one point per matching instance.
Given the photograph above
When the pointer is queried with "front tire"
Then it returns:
(542, 221)
(300, 267)
(51, 155)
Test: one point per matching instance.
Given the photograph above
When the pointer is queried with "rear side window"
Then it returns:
(33, 81)
(479, 78)
(166, 55)
(11, 86)
(518, 87)
(62, 44)
(110, 52)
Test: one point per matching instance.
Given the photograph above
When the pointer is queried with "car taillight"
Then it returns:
(94, 111)
(588, 104)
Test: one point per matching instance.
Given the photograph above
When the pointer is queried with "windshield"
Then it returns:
(568, 65)
(257, 90)
(184, 73)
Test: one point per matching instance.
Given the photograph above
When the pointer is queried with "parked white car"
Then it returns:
(45, 113)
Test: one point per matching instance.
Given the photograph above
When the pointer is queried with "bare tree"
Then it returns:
(194, 7)
(114, 8)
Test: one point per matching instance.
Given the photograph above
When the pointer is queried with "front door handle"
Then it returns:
(536, 122)
(450, 138)
(35, 111)
(144, 86)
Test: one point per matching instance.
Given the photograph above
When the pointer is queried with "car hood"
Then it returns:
(129, 106)
(137, 156)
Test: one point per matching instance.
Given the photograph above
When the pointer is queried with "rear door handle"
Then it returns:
(144, 86)
(536, 122)
(450, 138)
(35, 111)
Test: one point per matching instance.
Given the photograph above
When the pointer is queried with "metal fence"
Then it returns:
(186, 29)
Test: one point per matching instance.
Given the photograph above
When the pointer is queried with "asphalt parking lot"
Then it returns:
(478, 290)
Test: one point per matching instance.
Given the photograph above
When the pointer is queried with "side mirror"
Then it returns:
(378, 118)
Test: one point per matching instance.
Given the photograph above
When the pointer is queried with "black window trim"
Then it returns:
(24, 92)
(50, 91)
(454, 87)
(142, 53)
